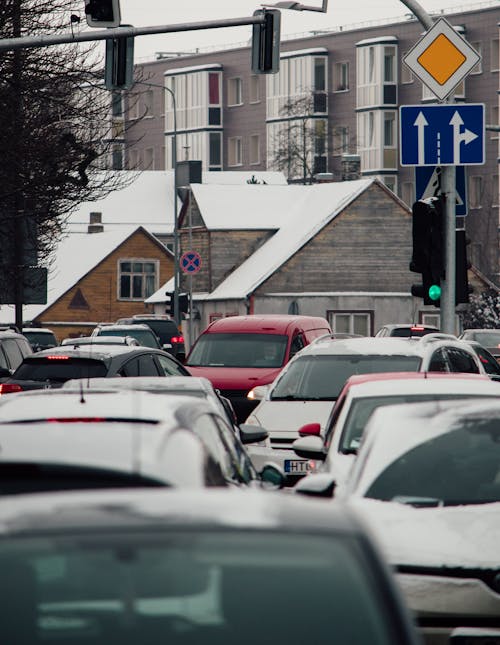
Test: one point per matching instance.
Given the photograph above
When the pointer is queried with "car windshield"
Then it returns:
(177, 588)
(313, 377)
(40, 338)
(487, 338)
(461, 466)
(239, 350)
(144, 336)
(59, 369)
(361, 410)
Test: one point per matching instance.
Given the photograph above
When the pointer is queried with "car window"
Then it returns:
(438, 362)
(143, 365)
(296, 345)
(458, 467)
(145, 336)
(488, 361)
(208, 431)
(321, 378)
(3, 359)
(239, 350)
(196, 586)
(240, 457)
(461, 361)
(59, 369)
(12, 351)
(169, 367)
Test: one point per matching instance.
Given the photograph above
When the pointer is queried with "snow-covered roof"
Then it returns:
(309, 209)
(296, 212)
(148, 199)
(304, 52)
(77, 254)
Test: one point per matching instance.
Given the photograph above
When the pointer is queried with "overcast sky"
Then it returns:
(170, 12)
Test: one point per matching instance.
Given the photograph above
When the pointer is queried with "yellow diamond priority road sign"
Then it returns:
(441, 59)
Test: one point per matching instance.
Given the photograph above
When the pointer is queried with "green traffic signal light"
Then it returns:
(434, 292)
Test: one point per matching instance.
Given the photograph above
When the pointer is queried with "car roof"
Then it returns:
(127, 327)
(228, 510)
(100, 340)
(408, 326)
(61, 403)
(45, 330)
(175, 384)
(93, 351)
(263, 323)
(426, 382)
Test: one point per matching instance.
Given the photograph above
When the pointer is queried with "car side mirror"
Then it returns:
(258, 392)
(252, 434)
(316, 485)
(310, 447)
(272, 476)
(310, 429)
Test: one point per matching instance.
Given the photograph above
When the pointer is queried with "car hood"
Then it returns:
(287, 416)
(452, 536)
(236, 378)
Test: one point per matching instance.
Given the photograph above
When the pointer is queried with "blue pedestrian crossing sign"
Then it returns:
(428, 184)
(449, 134)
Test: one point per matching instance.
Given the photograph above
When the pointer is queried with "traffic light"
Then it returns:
(119, 67)
(266, 42)
(102, 13)
(183, 303)
(169, 309)
(428, 248)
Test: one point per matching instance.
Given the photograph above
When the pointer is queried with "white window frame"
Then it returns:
(341, 73)
(494, 55)
(234, 151)
(351, 317)
(235, 91)
(145, 292)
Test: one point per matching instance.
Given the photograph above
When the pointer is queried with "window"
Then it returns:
(134, 159)
(389, 129)
(341, 77)
(117, 157)
(140, 366)
(234, 151)
(475, 191)
(391, 182)
(478, 68)
(234, 91)
(169, 367)
(147, 99)
(351, 323)
(254, 149)
(149, 159)
(116, 104)
(340, 140)
(461, 361)
(494, 55)
(138, 279)
(389, 64)
(215, 156)
(319, 74)
(254, 89)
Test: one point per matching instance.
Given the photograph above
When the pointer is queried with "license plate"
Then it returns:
(296, 467)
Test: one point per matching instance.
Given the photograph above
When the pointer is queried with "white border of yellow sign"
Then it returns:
(441, 28)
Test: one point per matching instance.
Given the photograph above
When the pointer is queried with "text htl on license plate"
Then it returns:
(297, 466)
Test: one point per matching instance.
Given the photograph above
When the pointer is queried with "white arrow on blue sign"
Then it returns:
(427, 184)
(442, 135)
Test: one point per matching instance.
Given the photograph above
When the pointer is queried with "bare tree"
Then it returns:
(55, 132)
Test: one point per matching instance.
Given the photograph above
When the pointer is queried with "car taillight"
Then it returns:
(177, 339)
(9, 388)
(76, 420)
(417, 328)
(55, 357)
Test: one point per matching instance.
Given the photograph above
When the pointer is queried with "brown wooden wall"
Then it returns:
(98, 297)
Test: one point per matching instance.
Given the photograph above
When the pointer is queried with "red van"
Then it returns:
(238, 353)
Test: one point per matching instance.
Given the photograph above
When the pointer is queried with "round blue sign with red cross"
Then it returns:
(190, 262)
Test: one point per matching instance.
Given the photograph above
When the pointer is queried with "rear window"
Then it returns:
(59, 369)
(192, 587)
(320, 378)
(145, 336)
(17, 478)
(406, 332)
(164, 329)
(239, 350)
(40, 338)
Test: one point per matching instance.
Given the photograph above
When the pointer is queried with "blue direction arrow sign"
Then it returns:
(427, 184)
(442, 135)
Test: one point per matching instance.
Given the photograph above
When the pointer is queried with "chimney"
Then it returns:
(351, 167)
(95, 223)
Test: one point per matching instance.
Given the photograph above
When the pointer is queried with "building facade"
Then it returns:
(337, 93)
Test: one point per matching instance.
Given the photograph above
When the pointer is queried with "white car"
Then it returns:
(363, 394)
(306, 388)
(104, 409)
(427, 481)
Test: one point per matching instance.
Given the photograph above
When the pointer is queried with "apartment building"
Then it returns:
(337, 93)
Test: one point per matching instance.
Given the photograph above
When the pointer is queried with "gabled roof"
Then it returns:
(296, 212)
(77, 254)
(307, 212)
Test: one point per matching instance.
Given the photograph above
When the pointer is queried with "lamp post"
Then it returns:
(176, 230)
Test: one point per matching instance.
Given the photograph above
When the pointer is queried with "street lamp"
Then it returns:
(176, 230)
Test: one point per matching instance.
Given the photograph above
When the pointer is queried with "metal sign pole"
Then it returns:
(448, 182)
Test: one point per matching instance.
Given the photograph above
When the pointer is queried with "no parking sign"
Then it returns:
(190, 262)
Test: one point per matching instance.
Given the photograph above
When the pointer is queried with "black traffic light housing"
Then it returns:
(462, 288)
(183, 303)
(428, 248)
(119, 67)
(266, 42)
(102, 13)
